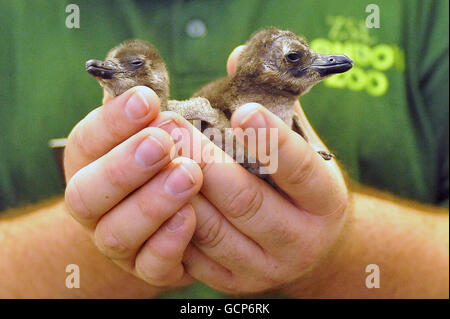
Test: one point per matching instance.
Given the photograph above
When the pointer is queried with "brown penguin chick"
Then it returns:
(129, 64)
(136, 62)
(275, 68)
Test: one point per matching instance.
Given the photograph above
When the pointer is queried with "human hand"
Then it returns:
(250, 238)
(124, 188)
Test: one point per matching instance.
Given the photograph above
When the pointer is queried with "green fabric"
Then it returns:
(387, 120)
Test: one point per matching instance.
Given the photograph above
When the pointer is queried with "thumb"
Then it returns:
(233, 59)
(313, 139)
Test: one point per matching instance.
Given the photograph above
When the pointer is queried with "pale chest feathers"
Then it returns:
(281, 106)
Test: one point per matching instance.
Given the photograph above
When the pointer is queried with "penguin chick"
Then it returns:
(275, 68)
(136, 62)
(129, 64)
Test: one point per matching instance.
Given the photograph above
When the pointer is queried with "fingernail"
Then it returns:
(149, 152)
(180, 179)
(253, 118)
(171, 127)
(175, 222)
(138, 105)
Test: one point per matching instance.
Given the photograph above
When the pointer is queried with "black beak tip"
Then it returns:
(327, 65)
(349, 61)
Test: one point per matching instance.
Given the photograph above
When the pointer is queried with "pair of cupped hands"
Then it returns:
(170, 221)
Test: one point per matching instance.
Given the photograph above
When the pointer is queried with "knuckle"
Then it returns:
(303, 171)
(80, 141)
(117, 177)
(147, 208)
(158, 274)
(74, 201)
(113, 126)
(210, 233)
(109, 243)
(245, 203)
(166, 256)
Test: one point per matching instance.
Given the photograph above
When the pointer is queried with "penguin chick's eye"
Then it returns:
(293, 57)
(136, 63)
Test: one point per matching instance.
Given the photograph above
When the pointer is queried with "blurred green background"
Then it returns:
(387, 121)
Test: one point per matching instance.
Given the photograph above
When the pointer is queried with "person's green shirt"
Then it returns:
(386, 120)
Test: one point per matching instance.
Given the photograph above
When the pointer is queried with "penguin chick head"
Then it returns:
(129, 64)
(282, 62)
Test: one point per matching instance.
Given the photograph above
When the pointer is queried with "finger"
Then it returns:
(250, 204)
(99, 186)
(120, 233)
(312, 183)
(233, 59)
(205, 269)
(159, 262)
(208, 271)
(217, 238)
(109, 125)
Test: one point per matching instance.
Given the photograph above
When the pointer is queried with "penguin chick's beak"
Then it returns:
(102, 69)
(325, 64)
